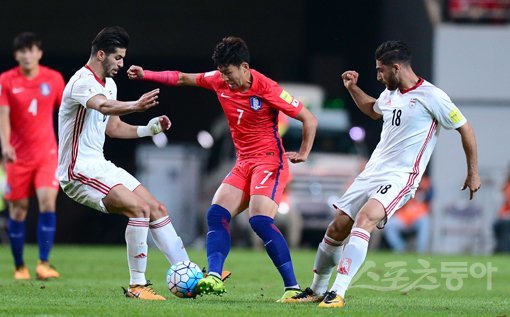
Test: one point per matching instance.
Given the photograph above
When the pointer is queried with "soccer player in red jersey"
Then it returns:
(29, 95)
(251, 103)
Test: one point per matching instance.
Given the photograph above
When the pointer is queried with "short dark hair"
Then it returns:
(231, 50)
(391, 52)
(26, 40)
(109, 39)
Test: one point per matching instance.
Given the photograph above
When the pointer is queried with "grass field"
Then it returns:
(389, 285)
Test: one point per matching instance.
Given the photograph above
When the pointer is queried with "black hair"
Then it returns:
(231, 50)
(26, 40)
(391, 52)
(109, 39)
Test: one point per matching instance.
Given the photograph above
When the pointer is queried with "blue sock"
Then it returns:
(218, 238)
(16, 231)
(46, 233)
(276, 248)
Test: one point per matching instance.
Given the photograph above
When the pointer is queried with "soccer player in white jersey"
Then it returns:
(90, 110)
(413, 111)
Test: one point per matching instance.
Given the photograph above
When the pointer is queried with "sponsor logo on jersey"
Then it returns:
(286, 96)
(45, 89)
(17, 90)
(295, 103)
(255, 103)
(456, 116)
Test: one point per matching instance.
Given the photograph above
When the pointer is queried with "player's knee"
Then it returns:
(158, 209)
(141, 210)
(18, 211)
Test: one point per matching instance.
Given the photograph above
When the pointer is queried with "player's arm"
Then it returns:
(8, 152)
(364, 102)
(470, 149)
(308, 135)
(168, 77)
(117, 108)
(116, 128)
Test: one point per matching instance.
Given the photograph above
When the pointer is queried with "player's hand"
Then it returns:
(147, 100)
(9, 154)
(473, 183)
(296, 157)
(164, 122)
(135, 72)
(350, 78)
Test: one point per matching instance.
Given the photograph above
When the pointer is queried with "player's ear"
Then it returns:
(100, 55)
(245, 65)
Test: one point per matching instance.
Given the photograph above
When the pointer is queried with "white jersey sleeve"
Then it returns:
(83, 89)
(444, 110)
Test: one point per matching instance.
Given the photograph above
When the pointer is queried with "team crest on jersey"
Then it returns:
(45, 89)
(412, 103)
(255, 103)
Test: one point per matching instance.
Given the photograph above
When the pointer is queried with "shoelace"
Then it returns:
(148, 288)
(304, 294)
(329, 296)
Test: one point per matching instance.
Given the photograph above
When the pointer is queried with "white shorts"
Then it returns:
(391, 190)
(93, 181)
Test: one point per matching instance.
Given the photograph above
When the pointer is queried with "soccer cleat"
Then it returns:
(306, 296)
(21, 273)
(45, 271)
(288, 294)
(210, 285)
(224, 274)
(142, 292)
(331, 299)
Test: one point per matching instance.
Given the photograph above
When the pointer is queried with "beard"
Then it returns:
(108, 69)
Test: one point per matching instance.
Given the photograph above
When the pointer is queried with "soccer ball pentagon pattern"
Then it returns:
(182, 279)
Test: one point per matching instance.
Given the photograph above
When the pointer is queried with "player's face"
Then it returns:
(387, 75)
(28, 58)
(236, 77)
(113, 62)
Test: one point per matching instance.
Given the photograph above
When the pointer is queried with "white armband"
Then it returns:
(152, 128)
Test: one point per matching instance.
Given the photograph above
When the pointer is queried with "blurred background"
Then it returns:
(460, 45)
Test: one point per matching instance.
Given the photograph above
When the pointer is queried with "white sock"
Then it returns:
(352, 258)
(167, 240)
(327, 257)
(136, 241)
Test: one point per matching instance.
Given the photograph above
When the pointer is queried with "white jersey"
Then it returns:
(411, 124)
(81, 130)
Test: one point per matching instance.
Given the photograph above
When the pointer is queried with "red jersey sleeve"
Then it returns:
(281, 99)
(209, 80)
(60, 85)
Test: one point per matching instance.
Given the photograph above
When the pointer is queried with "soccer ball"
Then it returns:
(182, 279)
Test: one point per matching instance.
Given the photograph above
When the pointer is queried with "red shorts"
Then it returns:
(24, 178)
(267, 178)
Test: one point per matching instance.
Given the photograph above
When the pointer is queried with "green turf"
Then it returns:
(92, 277)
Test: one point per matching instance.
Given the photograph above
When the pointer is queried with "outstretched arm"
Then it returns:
(118, 108)
(116, 128)
(168, 77)
(364, 102)
(470, 149)
(309, 128)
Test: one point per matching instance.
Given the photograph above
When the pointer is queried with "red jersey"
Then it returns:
(32, 103)
(253, 115)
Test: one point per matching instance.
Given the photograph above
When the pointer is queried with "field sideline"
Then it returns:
(391, 285)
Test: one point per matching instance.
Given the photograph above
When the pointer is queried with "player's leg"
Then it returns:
(16, 228)
(19, 182)
(393, 233)
(163, 232)
(46, 227)
(354, 252)
(46, 186)
(262, 211)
